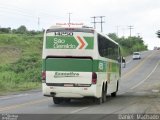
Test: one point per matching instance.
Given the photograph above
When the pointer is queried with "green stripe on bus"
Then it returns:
(94, 65)
(114, 67)
(90, 41)
(60, 64)
(82, 65)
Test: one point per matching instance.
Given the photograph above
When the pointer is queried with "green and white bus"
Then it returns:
(79, 63)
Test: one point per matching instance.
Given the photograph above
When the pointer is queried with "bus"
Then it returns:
(79, 63)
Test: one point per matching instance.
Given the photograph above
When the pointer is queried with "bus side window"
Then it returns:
(107, 48)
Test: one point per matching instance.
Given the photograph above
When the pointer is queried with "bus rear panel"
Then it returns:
(68, 57)
(78, 63)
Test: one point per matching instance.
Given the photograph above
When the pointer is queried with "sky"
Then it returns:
(142, 15)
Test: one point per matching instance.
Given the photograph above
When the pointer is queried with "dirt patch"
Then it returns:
(9, 54)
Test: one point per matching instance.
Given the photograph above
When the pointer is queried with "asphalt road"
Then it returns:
(139, 92)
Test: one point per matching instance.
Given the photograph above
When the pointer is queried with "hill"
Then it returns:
(20, 62)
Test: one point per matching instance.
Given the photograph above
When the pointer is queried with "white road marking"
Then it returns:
(155, 91)
(13, 96)
(75, 111)
(146, 77)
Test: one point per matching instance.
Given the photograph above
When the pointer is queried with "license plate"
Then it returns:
(68, 85)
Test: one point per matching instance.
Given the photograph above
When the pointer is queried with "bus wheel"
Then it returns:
(99, 100)
(104, 95)
(57, 100)
(114, 94)
(67, 100)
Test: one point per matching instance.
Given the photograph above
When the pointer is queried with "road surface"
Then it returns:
(139, 92)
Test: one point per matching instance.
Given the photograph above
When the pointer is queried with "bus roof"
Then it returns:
(77, 29)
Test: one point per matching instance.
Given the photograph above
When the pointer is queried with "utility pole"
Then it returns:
(101, 21)
(123, 29)
(138, 34)
(130, 28)
(69, 22)
(94, 21)
(38, 22)
(117, 28)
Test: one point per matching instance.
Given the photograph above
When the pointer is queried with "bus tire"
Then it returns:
(100, 99)
(57, 100)
(67, 100)
(104, 90)
(114, 94)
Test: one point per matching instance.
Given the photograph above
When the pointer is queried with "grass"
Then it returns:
(9, 54)
(20, 62)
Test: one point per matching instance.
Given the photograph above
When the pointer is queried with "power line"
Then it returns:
(138, 34)
(123, 29)
(69, 21)
(94, 21)
(101, 21)
(27, 13)
(117, 28)
(38, 23)
(130, 29)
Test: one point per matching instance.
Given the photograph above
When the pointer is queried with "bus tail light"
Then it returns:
(94, 78)
(43, 76)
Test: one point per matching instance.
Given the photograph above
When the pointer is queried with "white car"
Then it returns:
(136, 55)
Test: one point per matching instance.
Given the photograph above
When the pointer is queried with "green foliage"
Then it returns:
(20, 30)
(22, 71)
(158, 33)
(130, 44)
(113, 36)
(5, 30)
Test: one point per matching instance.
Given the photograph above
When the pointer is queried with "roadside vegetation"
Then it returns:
(20, 57)
(130, 44)
(20, 60)
(158, 33)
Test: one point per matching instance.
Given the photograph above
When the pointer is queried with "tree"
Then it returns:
(130, 44)
(5, 30)
(113, 36)
(22, 29)
(158, 33)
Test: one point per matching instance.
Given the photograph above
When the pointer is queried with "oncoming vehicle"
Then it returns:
(136, 55)
(79, 63)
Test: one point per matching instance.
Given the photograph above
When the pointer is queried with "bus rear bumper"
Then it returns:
(69, 92)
